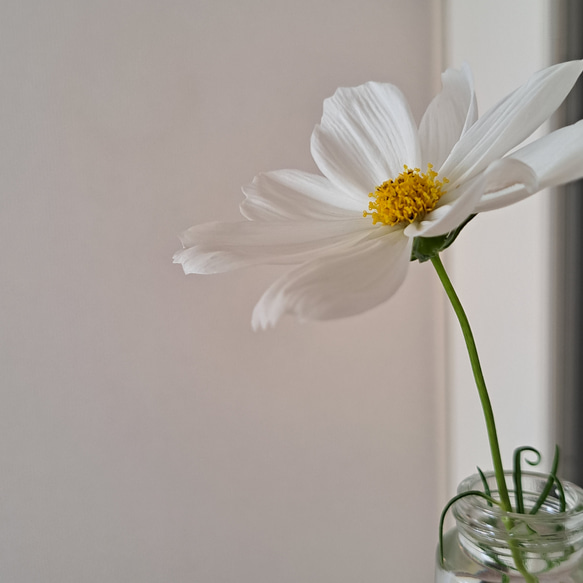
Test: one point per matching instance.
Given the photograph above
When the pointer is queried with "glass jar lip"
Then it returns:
(488, 534)
(573, 499)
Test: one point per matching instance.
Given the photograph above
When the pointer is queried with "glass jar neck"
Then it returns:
(547, 541)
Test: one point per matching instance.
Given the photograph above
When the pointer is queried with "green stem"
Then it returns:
(486, 406)
(480, 382)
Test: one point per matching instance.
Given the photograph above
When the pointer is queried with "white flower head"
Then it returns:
(384, 183)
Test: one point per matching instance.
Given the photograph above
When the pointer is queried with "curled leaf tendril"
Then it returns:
(479, 493)
(549, 484)
(485, 484)
(517, 473)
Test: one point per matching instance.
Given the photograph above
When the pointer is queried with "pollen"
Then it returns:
(407, 198)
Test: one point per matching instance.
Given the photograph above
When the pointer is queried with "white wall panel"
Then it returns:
(500, 263)
(146, 433)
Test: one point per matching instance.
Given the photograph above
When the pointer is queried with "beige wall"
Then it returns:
(146, 434)
(501, 262)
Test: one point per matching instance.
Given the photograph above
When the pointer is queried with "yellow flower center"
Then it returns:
(408, 197)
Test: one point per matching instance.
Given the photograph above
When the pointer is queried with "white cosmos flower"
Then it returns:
(347, 263)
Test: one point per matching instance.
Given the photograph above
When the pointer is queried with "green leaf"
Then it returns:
(517, 474)
(489, 499)
(485, 484)
(551, 480)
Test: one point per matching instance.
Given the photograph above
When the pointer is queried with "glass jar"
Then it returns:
(485, 542)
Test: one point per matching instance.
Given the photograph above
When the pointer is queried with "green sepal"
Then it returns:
(424, 248)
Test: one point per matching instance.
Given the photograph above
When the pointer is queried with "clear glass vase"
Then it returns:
(492, 546)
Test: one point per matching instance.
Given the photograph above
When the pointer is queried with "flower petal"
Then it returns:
(511, 121)
(366, 135)
(501, 198)
(297, 195)
(341, 285)
(448, 116)
(555, 158)
(219, 247)
(455, 206)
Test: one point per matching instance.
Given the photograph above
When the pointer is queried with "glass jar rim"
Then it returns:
(573, 499)
(549, 540)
